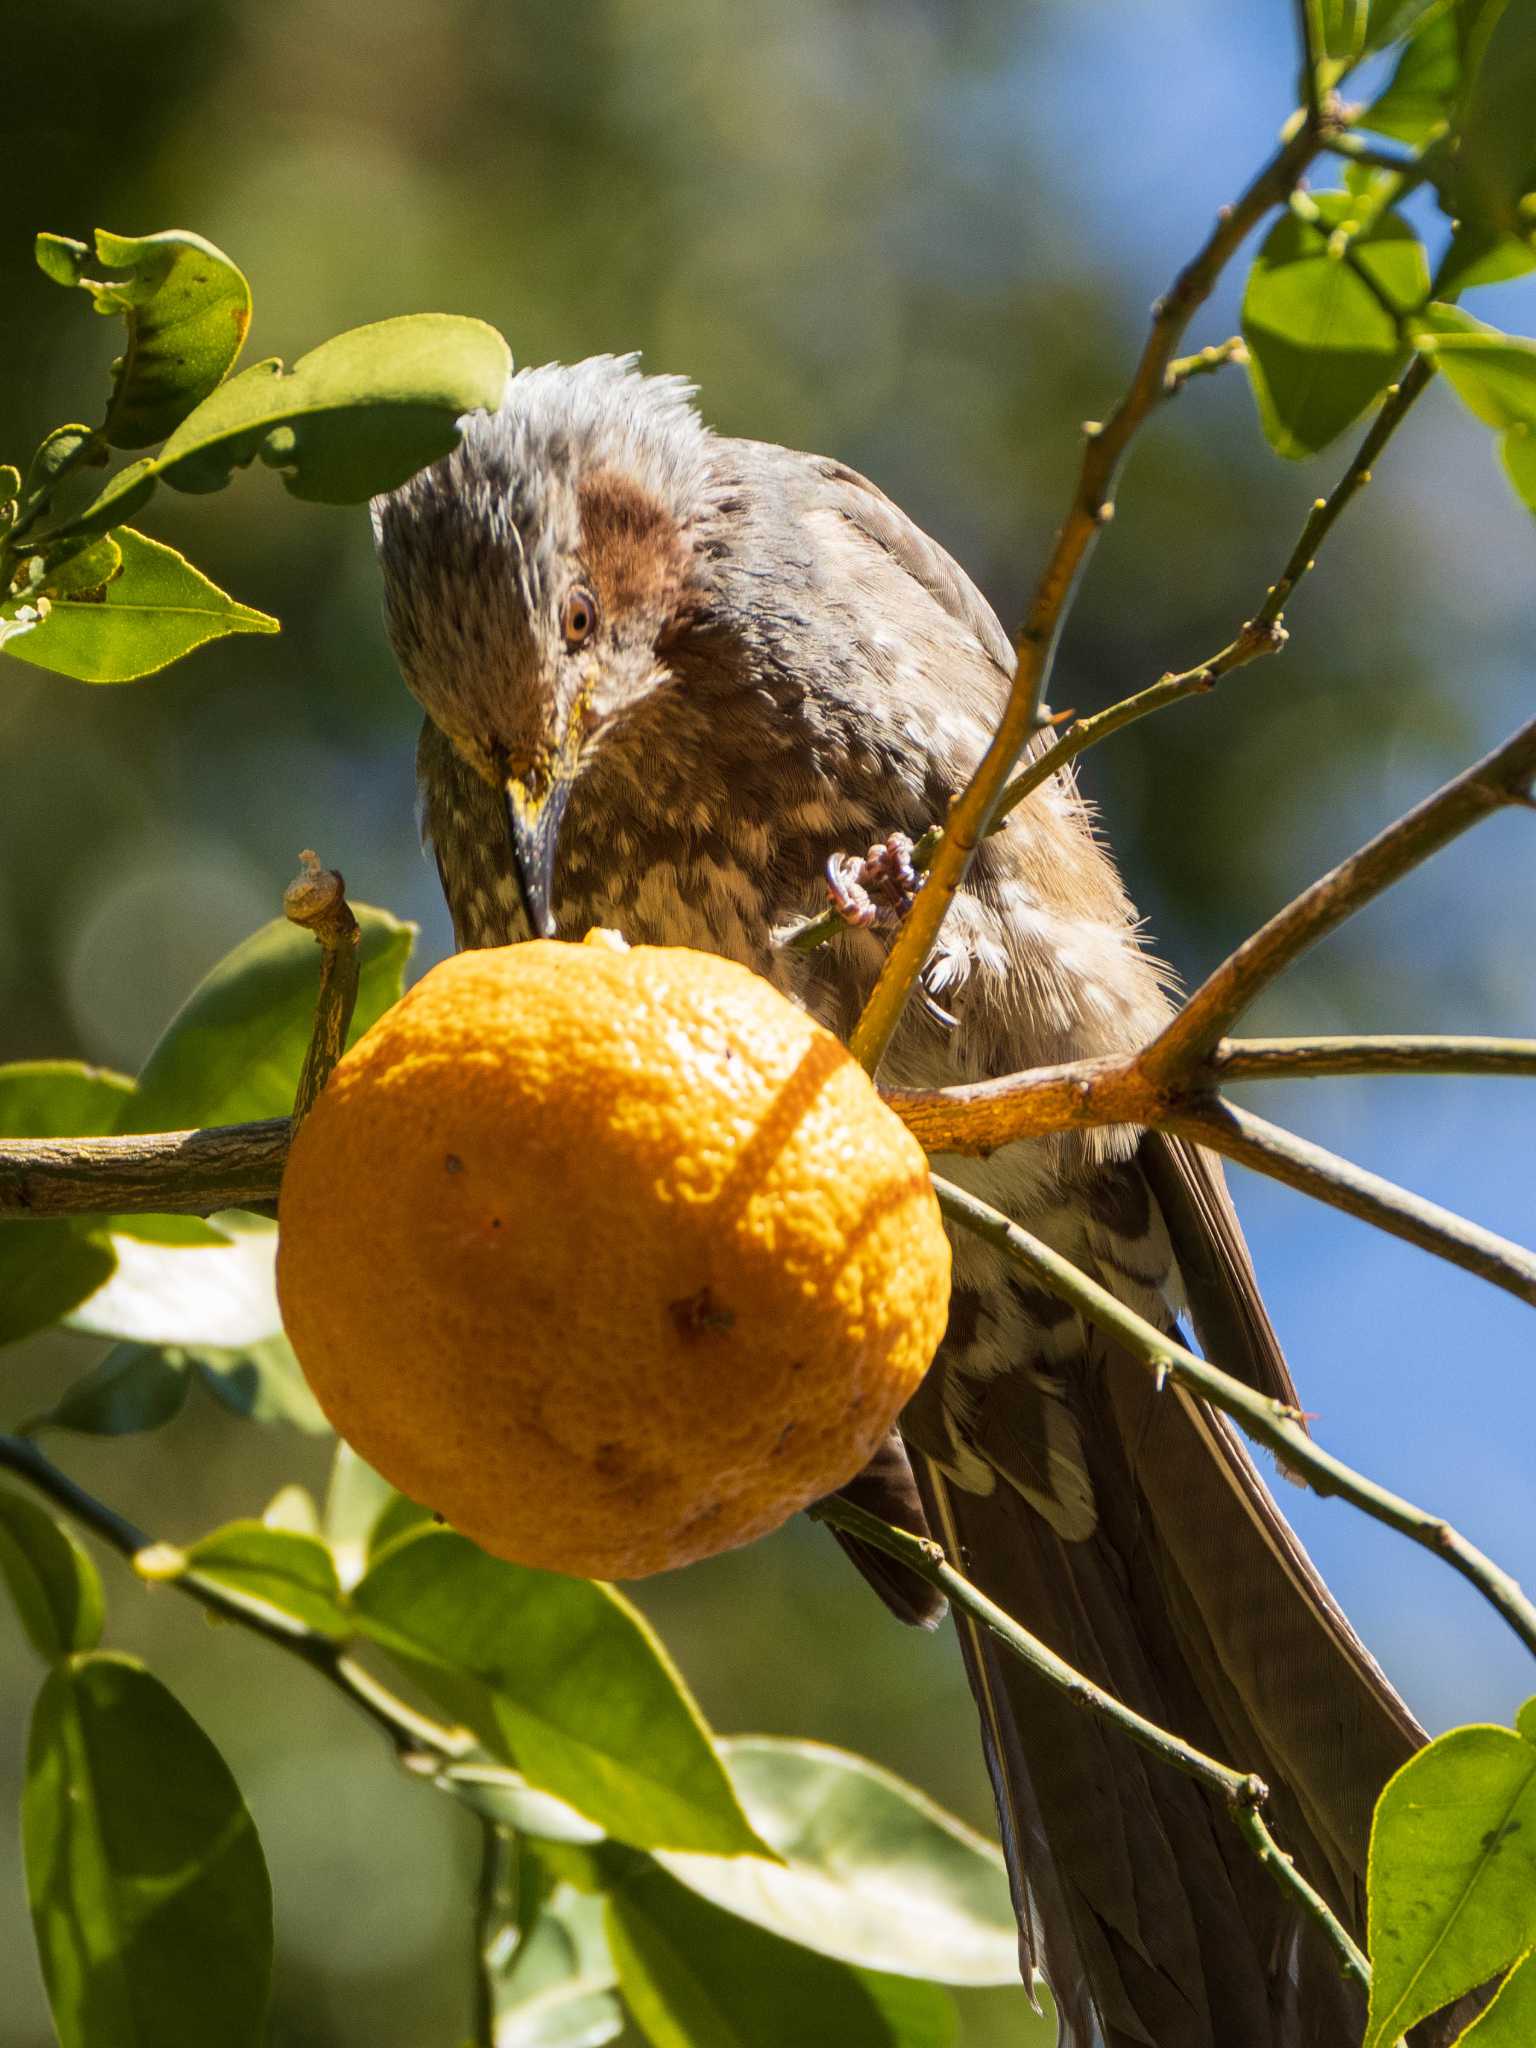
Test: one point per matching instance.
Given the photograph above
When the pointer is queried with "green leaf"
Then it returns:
(1493, 374)
(135, 1387)
(80, 569)
(1496, 162)
(58, 453)
(1391, 20)
(154, 610)
(873, 1872)
(354, 417)
(201, 1296)
(51, 1579)
(564, 1679)
(1452, 1872)
(504, 1796)
(149, 1894)
(187, 309)
(1321, 343)
(1510, 2021)
(233, 1051)
(46, 1269)
(1518, 453)
(354, 1500)
(293, 1507)
(694, 1977)
(278, 1569)
(263, 1382)
(557, 1990)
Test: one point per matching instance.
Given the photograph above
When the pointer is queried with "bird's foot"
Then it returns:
(876, 888)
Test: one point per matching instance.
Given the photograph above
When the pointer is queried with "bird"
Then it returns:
(672, 680)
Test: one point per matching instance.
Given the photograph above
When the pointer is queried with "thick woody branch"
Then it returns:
(1090, 509)
(1267, 1421)
(178, 1173)
(1502, 778)
(1243, 1793)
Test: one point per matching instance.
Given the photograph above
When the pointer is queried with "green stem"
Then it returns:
(495, 1917)
(407, 1730)
(1242, 1793)
(1268, 1421)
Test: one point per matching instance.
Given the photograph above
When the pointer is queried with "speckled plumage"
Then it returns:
(787, 668)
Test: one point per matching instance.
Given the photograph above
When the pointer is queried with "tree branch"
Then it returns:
(1264, 1146)
(408, 1731)
(185, 1173)
(317, 902)
(1267, 1421)
(1499, 779)
(1090, 509)
(1243, 1794)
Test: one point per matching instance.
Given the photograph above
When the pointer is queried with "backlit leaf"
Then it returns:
(873, 1872)
(234, 1050)
(1452, 1872)
(1496, 161)
(561, 1678)
(187, 309)
(356, 416)
(155, 609)
(279, 1569)
(46, 1269)
(1321, 342)
(135, 1387)
(51, 1579)
(694, 1977)
(149, 1893)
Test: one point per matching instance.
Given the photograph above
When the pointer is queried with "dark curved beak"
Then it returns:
(535, 807)
(536, 802)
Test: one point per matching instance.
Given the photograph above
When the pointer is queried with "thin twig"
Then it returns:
(1284, 1059)
(1280, 1154)
(1242, 1793)
(1090, 509)
(1502, 778)
(1203, 363)
(407, 1730)
(317, 901)
(1268, 1421)
(495, 1917)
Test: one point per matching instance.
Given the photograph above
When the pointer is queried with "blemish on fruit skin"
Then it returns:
(784, 1436)
(700, 1315)
(452, 1163)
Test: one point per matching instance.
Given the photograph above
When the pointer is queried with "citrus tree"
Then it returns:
(637, 1869)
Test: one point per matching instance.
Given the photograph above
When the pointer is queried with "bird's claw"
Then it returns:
(876, 888)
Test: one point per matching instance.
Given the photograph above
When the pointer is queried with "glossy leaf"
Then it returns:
(1452, 1872)
(187, 309)
(562, 1678)
(154, 609)
(149, 1893)
(1496, 160)
(263, 1382)
(198, 1296)
(293, 1507)
(233, 1051)
(558, 1990)
(354, 1500)
(356, 416)
(280, 1569)
(135, 1387)
(500, 1794)
(1321, 343)
(1510, 2021)
(46, 1269)
(873, 1872)
(51, 1579)
(694, 1977)
(1493, 374)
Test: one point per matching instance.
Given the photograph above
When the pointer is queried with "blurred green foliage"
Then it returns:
(863, 228)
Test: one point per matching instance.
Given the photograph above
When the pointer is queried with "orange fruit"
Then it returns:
(613, 1258)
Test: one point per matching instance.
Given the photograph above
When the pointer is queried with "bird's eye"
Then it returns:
(578, 621)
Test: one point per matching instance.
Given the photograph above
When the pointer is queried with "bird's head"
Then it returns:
(540, 580)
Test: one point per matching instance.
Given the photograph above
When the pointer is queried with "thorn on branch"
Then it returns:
(316, 900)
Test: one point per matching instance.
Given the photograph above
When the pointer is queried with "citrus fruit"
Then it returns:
(611, 1257)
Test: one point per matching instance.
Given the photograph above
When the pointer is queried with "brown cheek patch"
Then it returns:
(632, 547)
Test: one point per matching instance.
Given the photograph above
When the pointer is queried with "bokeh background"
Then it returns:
(922, 237)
